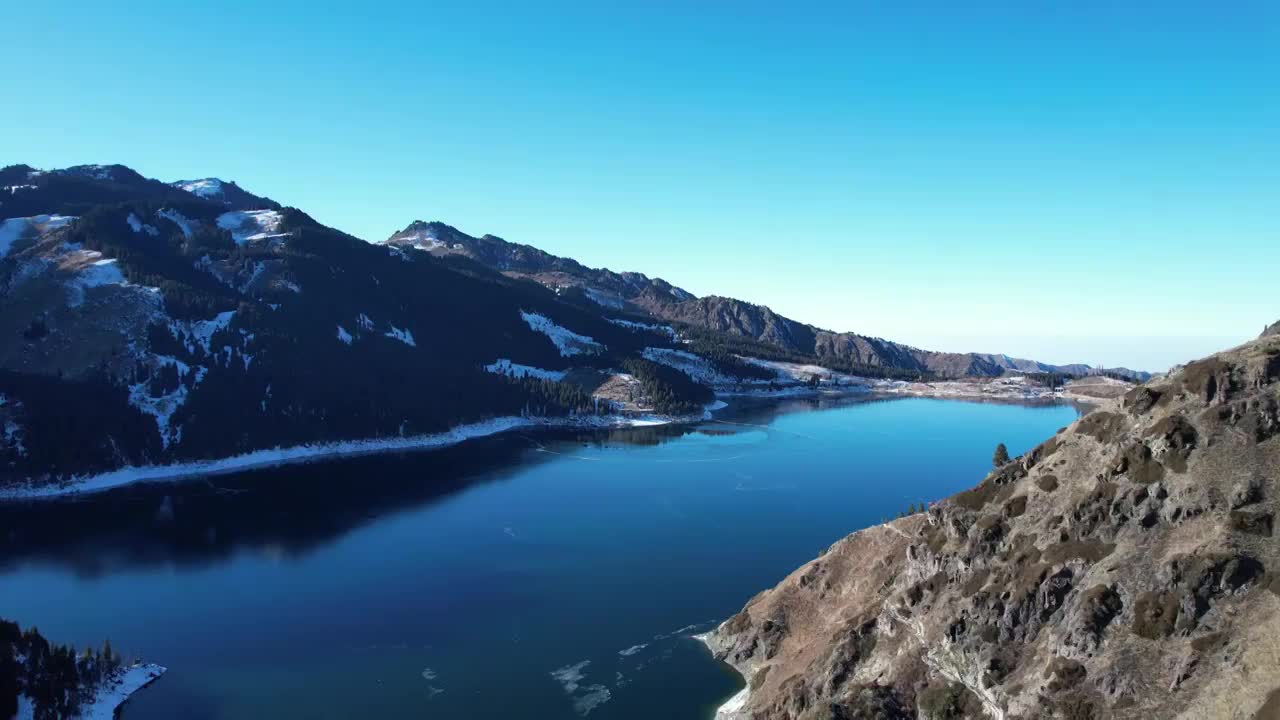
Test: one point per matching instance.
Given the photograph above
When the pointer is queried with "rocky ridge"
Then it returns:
(1125, 568)
(660, 300)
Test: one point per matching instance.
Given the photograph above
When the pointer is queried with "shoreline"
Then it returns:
(110, 696)
(728, 710)
(175, 473)
(108, 702)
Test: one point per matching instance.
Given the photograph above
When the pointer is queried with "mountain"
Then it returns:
(1273, 330)
(226, 192)
(1125, 568)
(661, 301)
(25, 191)
(604, 287)
(150, 324)
(154, 327)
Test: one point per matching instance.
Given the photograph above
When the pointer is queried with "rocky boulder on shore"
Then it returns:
(1125, 568)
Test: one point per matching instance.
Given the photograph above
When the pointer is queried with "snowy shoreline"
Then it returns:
(110, 696)
(110, 699)
(298, 454)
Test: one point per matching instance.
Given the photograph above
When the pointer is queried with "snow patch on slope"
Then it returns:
(13, 229)
(423, 240)
(197, 334)
(162, 407)
(503, 366)
(605, 299)
(10, 231)
(96, 271)
(139, 226)
(99, 273)
(252, 226)
(692, 365)
(403, 336)
(200, 332)
(205, 188)
(178, 219)
(638, 326)
(566, 341)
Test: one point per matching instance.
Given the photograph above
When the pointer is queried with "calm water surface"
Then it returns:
(529, 576)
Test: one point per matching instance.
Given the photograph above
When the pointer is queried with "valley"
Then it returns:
(189, 362)
(639, 361)
(162, 330)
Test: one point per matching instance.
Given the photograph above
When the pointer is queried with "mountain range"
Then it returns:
(663, 301)
(151, 323)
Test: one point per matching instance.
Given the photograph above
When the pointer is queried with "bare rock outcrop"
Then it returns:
(1125, 568)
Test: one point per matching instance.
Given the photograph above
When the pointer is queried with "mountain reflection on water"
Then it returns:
(292, 509)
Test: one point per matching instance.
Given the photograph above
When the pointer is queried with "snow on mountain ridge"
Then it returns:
(205, 187)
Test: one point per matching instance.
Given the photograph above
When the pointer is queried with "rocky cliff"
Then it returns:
(1125, 568)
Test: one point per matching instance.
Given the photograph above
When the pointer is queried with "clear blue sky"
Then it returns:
(1081, 183)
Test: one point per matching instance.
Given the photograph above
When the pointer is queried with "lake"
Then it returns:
(535, 575)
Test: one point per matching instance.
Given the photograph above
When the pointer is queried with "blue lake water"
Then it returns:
(475, 582)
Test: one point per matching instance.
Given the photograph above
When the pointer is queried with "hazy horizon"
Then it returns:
(1077, 185)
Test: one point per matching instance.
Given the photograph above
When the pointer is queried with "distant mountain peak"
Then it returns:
(603, 286)
(114, 172)
(106, 173)
(226, 192)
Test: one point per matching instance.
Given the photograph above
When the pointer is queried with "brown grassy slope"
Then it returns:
(1126, 568)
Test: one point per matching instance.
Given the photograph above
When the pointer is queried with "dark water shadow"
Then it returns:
(293, 509)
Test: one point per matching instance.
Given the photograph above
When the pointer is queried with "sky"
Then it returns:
(1096, 182)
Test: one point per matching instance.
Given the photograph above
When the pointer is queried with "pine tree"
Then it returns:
(109, 658)
(1001, 456)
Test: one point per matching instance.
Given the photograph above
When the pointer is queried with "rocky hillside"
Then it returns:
(1125, 568)
(660, 300)
(1273, 329)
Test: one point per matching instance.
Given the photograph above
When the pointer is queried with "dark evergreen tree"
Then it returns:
(1001, 456)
